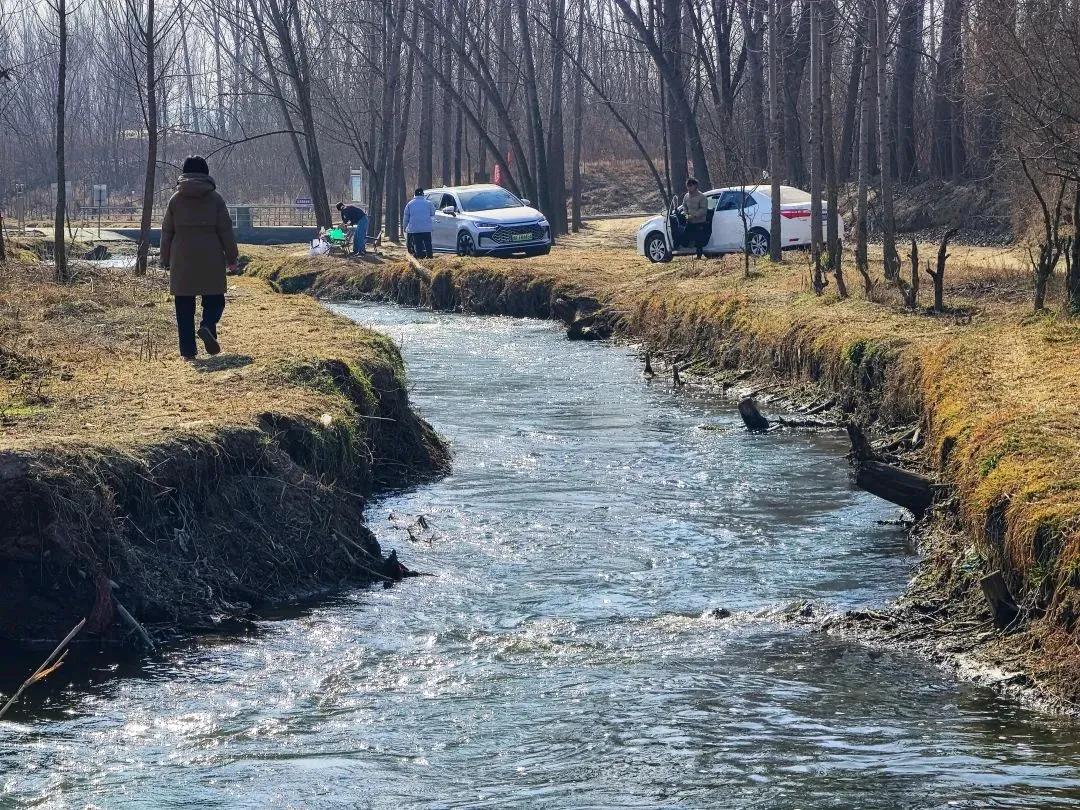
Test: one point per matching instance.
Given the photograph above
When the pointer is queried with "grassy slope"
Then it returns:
(198, 487)
(996, 387)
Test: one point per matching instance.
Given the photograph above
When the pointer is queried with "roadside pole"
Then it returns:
(100, 200)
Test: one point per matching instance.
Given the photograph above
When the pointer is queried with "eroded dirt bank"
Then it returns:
(991, 389)
(188, 494)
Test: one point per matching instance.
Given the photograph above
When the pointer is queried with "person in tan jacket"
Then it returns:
(197, 248)
(696, 206)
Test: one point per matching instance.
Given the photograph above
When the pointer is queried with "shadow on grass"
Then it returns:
(222, 362)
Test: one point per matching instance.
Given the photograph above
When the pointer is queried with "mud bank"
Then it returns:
(189, 495)
(990, 389)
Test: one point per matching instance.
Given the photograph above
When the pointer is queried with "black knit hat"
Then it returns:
(196, 165)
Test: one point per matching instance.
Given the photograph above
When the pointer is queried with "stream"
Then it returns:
(564, 654)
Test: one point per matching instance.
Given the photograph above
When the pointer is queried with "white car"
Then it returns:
(739, 218)
(485, 220)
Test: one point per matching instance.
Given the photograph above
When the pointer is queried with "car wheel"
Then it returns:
(757, 242)
(656, 248)
(465, 244)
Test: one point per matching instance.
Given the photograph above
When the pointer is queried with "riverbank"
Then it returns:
(196, 493)
(991, 387)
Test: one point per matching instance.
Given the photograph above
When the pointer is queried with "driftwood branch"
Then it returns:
(48, 667)
(756, 422)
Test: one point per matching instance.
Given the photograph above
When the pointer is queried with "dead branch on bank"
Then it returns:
(938, 275)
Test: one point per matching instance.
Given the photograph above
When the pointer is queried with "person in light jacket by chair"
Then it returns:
(419, 219)
(197, 246)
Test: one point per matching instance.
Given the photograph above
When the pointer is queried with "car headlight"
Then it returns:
(486, 226)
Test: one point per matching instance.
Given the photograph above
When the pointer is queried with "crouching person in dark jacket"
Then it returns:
(197, 246)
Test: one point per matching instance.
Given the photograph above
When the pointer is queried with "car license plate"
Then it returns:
(520, 237)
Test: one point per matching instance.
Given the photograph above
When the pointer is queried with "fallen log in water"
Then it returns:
(751, 416)
(907, 489)
(756, 422)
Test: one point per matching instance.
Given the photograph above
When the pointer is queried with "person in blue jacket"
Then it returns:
(418, 219)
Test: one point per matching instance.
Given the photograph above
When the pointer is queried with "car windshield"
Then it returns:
(488, 199)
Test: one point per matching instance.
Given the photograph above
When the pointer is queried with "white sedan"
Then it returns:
(739, 219)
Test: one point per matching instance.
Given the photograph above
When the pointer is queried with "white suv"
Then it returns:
(485, 220)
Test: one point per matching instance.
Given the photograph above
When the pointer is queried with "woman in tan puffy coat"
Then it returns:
(197, 248)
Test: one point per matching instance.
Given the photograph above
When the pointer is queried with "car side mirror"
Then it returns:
(449, 209)
(526, 202)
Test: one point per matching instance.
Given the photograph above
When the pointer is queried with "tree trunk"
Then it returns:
(426, 148)
(796, 41)
(948, 117)
(671, 26)
(880, 30)
(219, 76)
(59, 245)
(816, 153)
(775, 244)
(1072, 279)
(908, 55)
(579, 110)
(556, 156)
(459, 115)
(849, 129)
(832, 186)
(447, 98)
(397, 190)
(866, 107)
(752, 15)
(533, 114)
(149, 181)
(395, 21)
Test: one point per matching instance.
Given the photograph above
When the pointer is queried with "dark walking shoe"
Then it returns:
(209, 340)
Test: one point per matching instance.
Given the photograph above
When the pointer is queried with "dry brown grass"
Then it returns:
(96, 361)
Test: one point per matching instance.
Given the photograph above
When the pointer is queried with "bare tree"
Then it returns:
(832, 233)
(1052, 246)
(879, 32)
(775, 245)
(866, 122)
(59, 245)
(143, 38)
(817, 124)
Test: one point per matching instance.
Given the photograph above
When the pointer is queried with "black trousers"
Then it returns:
(419, 244)
(696, 235)
(212, 308)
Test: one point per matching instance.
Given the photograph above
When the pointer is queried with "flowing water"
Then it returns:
(563, 655)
